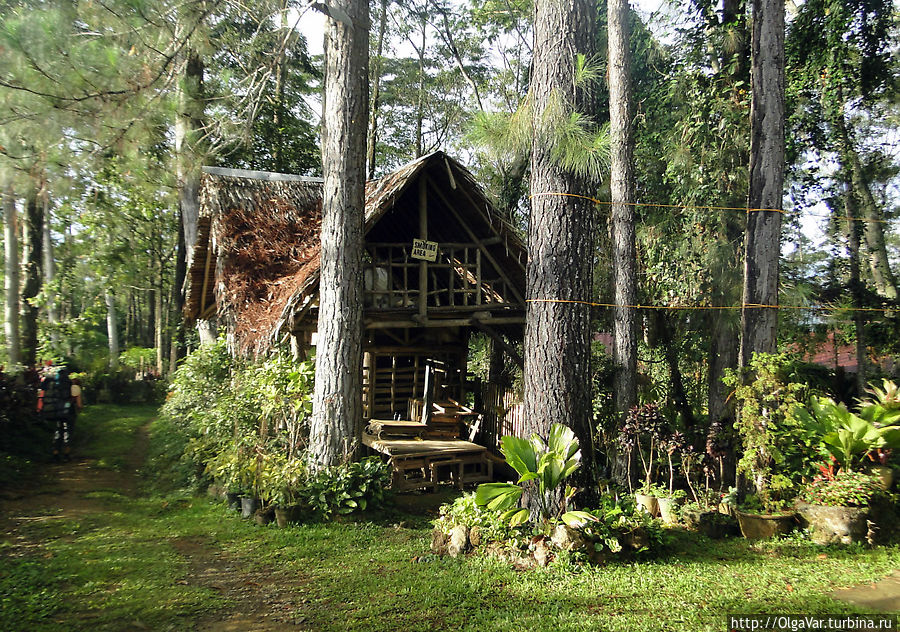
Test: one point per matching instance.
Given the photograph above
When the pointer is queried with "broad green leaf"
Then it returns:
(520, 454)
(515, 517)
(497, 496)
(577, 519)
(562, 441)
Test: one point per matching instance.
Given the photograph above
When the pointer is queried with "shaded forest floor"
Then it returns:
(90, 546)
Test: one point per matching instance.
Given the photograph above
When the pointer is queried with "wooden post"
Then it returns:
(478, 277)
(426, 397)
(423, 234)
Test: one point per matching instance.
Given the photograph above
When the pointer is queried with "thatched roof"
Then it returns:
(257, 256)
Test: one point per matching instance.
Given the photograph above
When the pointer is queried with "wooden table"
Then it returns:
(421, 463)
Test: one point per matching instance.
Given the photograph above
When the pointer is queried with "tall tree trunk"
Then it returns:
(560, 240)
(32, 246)
(177, 349)
(420, 100)
(622, 193)
(112, 330)
(763, 236)
(49, 272)
(150, 331)
(336, 425)
(723, 354)
(679, 393)
(189, 143)
(159, 337)
(372, 138)
(873, 229)
(857, 288)
(11, 277)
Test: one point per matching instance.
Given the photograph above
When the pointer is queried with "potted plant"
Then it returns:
(641, 433)
(883, 411)
(669, 502)
(224, 467)
(768, 432)
(840, 507)
(281, 484)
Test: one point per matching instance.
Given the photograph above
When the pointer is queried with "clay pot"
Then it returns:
(831, 525)
(668, 510)
(764, 526)
(884, 474)
(647, 503)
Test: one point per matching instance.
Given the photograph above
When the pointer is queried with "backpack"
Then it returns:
(57, 394)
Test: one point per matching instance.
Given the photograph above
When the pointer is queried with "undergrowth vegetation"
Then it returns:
(243, 425)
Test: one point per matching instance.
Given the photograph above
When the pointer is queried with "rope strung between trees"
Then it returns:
(822, 308)
(709, 208)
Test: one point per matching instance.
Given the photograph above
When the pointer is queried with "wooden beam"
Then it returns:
(445, 322)
(496, 337)
(480, 245)
(423, 234)
(206, 264)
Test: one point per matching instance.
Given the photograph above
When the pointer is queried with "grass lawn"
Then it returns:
(116, 565)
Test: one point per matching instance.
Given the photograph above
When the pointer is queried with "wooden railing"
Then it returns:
(392, 279)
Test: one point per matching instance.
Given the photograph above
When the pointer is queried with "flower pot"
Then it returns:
(712, 524)
(648, 503)
(884, 474)
(248, 506)
(233, 500)
(284, 516)
(832, 525)
(264, 516)
(668, 510)
(764, 526)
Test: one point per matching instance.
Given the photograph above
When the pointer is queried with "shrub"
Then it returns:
(465, 511)
(23, 432)
(344, 489)
(844, 489)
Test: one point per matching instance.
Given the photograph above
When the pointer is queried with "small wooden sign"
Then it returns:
(426, 250)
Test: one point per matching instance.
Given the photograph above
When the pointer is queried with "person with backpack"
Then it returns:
(56, 405)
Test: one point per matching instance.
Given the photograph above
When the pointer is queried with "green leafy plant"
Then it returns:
(542, 468)
(774, 440)
(847, 437)
(844, 489)
(346, 488)
(617, 523)
(282, 480)
(465, 511)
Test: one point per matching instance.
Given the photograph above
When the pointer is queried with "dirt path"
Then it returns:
(259, 601)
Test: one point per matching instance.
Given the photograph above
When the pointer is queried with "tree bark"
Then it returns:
(32, 258)
(177, 348)
(857, 288)
(873, 229)
(336, 425)
(159, 334)
(207, 331)
(723, 354)
(763, 236)
(622, 193)
(49, 272)
(560, 241)
(188, 144)
(112, 330)
(11, 277)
